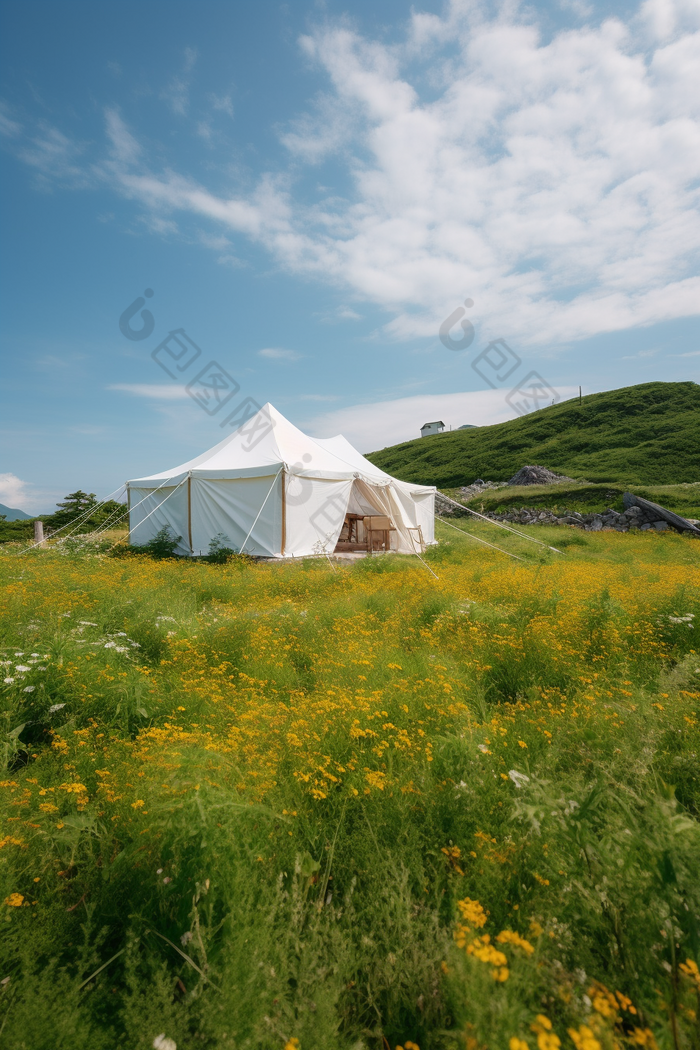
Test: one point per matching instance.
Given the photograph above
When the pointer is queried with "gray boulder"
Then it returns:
(534, 475)
(652, 513)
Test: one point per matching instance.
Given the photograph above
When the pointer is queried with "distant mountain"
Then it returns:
(645, 434)
(12, 514)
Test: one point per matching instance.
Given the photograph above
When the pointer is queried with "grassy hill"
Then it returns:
(12, 514)
(646, 434)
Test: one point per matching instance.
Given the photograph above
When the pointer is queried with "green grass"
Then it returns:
(241, 803)
(639, 435)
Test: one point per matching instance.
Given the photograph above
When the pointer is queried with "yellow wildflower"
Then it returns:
(604, 1002)
(509, 937)
(10, 840)
(517, 1044)
(643, 1037)
(546, 1038)
(584, 1038)
(472, 912)
(15, 900)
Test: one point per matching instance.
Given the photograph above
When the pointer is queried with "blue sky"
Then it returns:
(310, 190)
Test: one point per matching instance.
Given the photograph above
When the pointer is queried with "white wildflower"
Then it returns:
(22, 667)
(161, 1042)
(519, 779)
(28, 689)
(55, 707)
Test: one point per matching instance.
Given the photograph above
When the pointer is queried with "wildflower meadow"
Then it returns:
(327, 806)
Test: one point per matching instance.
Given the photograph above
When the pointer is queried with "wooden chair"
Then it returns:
(378, 528)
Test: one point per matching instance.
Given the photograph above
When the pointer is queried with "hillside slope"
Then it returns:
(12, 514)
(646, 434)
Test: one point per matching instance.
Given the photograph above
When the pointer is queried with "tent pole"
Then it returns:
(189, 511)
(284, 512)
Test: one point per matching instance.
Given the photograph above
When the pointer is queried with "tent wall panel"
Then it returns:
(153, 509)
(315, 512)
(230, 507)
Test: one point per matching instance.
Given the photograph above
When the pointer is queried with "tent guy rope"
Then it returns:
(478, 540)
(500, 524)
(76, 523)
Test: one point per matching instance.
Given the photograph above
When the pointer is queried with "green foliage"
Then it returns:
(219, 553)
(83, 505)
(162, 545)
(16, 531)
(645, 434)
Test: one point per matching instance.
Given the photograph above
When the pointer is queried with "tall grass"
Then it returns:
(243, 803)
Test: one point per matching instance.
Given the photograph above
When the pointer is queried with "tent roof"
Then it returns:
(267, 442)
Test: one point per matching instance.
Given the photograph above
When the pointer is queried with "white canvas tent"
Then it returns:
(274, 492)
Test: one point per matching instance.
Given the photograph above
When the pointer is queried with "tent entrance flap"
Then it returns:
(360, 530)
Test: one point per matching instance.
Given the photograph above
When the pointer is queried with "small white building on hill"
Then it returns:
(432, 428)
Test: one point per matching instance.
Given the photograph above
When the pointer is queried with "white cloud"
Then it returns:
(223, 103)
(8, 126)
(55, 157)
(553, 181)
(177, 93)
(125, 148)
(13, 491)
(276, 354)
(157, 391)
(374, 426)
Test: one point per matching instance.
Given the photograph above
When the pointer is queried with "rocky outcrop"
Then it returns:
(478, 487)
(638, 514)
(633, 517)
(537, 476)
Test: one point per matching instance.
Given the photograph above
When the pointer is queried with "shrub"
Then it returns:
(162, 545)
(219, 553)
